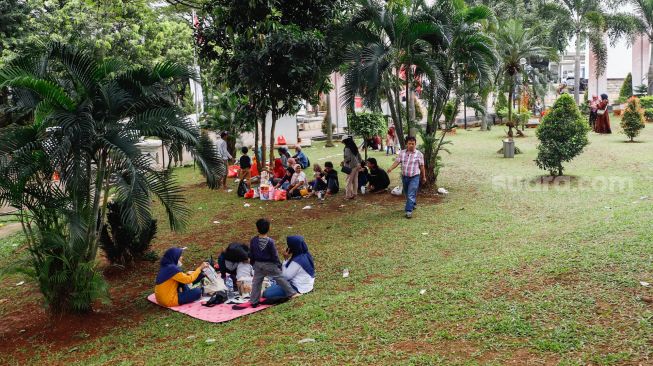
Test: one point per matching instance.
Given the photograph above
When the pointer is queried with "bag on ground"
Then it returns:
(242, 189)
(233, 171)
(249, 194)
(280, 195)
(397, 191)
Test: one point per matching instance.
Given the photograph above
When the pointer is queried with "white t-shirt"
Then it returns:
(298, 277)
(298, 177)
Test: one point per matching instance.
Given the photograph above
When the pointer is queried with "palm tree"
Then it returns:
(586, 21)
(516, 44)
(386, 40)
(88, 117)
(643, 24)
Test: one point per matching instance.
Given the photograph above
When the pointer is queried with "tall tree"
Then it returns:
(274, 50)
(516, 44)
(386, 41)
(586, 21)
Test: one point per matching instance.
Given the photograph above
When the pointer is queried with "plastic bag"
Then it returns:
(396, 191)
(280, 195)
(249, 194)
(233, 171)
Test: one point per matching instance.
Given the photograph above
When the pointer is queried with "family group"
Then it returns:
(246, 266)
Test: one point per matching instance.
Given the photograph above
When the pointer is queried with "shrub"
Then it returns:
(648, 114)
(449, 111)
(627, 87)
(324, 125)
(502, 113)
(123, 244)
(646, 102)
(641, 90)
(633, 119)
(502, 101)
(366, 125)
(562, 135)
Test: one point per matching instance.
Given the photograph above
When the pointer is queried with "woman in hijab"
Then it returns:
(602, 124)
(298, 269)
(172, 284)
(278, 172)
(351, 166)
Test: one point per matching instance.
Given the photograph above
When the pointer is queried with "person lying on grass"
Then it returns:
(265, 260)
(298, 269)
(172, 284)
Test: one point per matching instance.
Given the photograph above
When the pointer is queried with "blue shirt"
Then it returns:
(301, 159)
(263, 250)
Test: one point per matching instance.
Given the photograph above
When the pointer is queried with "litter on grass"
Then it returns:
(246, 205)
(229, 190)
(645, 284)
(422, 291)
(216, 222)
(442, 191)
(210, 340)
(425, 233)
(306, 340)
(307, 207)
(20, 283)
(345, 273)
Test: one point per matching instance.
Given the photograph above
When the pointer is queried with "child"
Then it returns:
(245, 166)
(265, 259)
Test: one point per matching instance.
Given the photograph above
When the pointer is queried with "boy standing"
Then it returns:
(263, 253)
(245, 166)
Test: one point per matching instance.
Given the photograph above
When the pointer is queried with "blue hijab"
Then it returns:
(300, 254)
(169, 266)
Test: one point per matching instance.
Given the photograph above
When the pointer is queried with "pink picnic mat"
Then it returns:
(217, 314)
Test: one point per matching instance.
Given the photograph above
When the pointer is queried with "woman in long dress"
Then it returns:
(602, 124)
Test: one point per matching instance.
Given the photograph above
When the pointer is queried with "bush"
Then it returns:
(324, 125)
(502, 101)
(562, 135)
(449, 111)
(641, 90)
(502, 113)
(121, 244)
(627, 87)
(646, 102)
(633, 120)
(648, 114)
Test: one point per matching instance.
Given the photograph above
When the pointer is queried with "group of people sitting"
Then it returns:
(247, 266)
(288, 174)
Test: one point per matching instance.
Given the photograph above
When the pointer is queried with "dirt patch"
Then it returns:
(31, 324)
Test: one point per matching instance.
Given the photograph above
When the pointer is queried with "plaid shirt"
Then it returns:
(410, 162)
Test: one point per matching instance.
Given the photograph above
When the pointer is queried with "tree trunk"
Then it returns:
(577, 69)
(398, 122)
(272, 127)
(410, 98)
(650, 73)
(329, 130)
(263, 141)
(256, 145)
(510, 121)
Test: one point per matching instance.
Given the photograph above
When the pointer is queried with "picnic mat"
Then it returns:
(216, 314)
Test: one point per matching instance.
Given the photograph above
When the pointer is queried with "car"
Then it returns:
(571, 83)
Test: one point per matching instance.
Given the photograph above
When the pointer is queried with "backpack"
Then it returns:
(242, 189)
(219, 297)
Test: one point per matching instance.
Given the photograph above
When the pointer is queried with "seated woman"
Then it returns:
(297, 183)
(285, 181)
(172, 284)
(278, 172)
(318, 184)
(298, 269)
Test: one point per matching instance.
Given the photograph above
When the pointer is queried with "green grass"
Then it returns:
(523, 275)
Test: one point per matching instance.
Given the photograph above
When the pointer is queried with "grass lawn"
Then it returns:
(515, 271)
